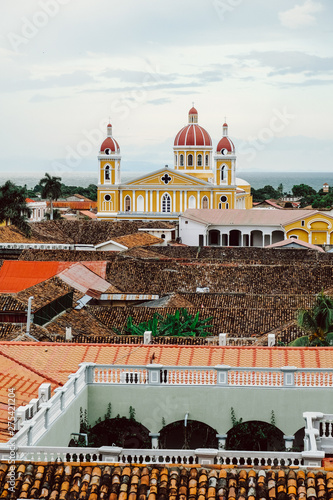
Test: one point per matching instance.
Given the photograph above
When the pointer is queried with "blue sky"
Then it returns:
(67, 66)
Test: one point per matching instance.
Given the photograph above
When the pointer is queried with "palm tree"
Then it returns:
(318, 321)
(51, 189)
(13, 207)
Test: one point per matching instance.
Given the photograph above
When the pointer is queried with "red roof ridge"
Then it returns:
(40, 374)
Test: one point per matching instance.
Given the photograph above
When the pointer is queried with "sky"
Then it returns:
(67, 67)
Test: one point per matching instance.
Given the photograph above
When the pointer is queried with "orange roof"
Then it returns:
(74, 205)
(17, 275)
(89, 214)
(26, 365)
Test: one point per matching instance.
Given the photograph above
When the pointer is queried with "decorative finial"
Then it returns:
(192, 104)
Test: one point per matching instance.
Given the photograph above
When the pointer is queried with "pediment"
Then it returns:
(166, 177)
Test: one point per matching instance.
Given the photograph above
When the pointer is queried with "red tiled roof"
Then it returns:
(17, 275)
(74, 205)
(225, 143)
(89, 214)
(110, 143)
(26, 365)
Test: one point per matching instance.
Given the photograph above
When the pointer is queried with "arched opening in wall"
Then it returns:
(207, 161)
(176, 160)
(166, 203)
(277, 236)
(119, 431)
(127, 203)
(190, 160)
(194, 435)
(235, 238)
(256, 238)
(298, 444)
(199, 161)
(214, 237)
(107, 203)
(181, 160)
(191, 201)
(107, 173)
(205, 203)
(140, 204)
(255, 436)
(222, 174)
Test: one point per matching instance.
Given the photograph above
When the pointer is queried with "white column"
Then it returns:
(211, 199)
(134, 201)
(174, 200)
(181, 200)
(146, 207)
(120, 200)
(185, 201)
(198, 199)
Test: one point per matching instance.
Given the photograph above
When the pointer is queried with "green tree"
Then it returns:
(13, 207)
(265, 193)
(317, 321)
(51, 189)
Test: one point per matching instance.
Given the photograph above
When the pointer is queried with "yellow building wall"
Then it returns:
(218, 171)
(112, 170)
(300, 233)
(319, 226)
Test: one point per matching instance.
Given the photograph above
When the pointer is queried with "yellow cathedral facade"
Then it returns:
(201, 177)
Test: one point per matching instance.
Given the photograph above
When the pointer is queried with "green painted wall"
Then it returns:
(59, 433)
(210, 405)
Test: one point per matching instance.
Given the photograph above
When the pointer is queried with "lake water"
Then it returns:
(256, 179)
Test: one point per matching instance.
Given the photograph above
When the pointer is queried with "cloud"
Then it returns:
(301, 15)
(289, 63)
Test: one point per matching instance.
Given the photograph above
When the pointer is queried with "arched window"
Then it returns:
(176, 160)
(127, 203)
(199, 160)
(166, 203)
(107, 203)
(191, 201)
(205, 203)
(140, 204)
(222, 174)
(190, 160)
(181, 160)
(107, 173)
(207, 160)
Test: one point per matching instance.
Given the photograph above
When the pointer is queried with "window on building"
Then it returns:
(181, 160)
(207, 160)
(199, 160)
(107, 173)
(222, 174)
(176, 160)
(190, 160)
(166, 203)
(201, 240)
(140, 204)
(107, 197)
(191, 202)
(127, 204)
(303, 223)
(205, 202)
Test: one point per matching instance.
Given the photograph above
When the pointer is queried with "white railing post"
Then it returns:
(222, 374)
(206, 456)
(89, 372)
(154, 440)
(289, 375)
(222, 441)
(154, 374)
(271, 340)
(147, 337)
(110, 454)
(311, 455)
(288, 442)
(222, 339)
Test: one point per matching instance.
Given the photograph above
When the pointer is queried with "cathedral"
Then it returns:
(200, 178)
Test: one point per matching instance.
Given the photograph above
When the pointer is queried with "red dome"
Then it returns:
(225, 143)
(110, 143)
(193, 111)
(193, 135)
(225, 125)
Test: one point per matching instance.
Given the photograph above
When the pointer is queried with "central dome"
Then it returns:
(192, 135)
